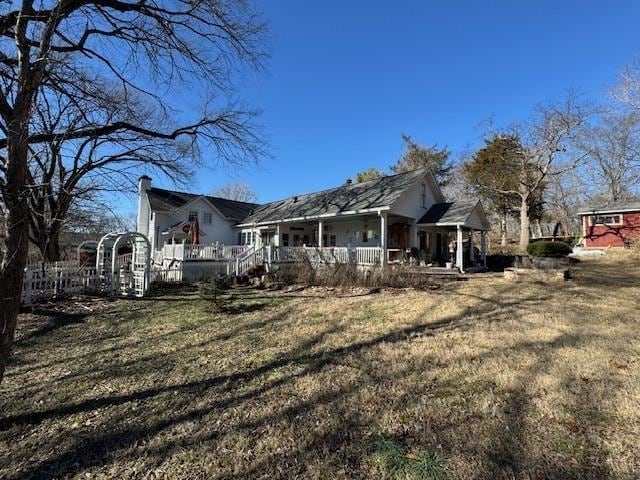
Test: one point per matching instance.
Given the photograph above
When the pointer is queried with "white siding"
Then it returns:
(477, 219)
(220, 230)
(410, 202)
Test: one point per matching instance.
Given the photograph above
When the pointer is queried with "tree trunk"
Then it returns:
(503, 229)
(50, 247)
(16, 244)
(52, 250)
(524, 224)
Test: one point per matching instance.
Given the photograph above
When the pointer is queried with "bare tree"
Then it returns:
(240, 191)
(612, 147)
(72, 175)
(564, 194)
(627, 91)
(91, 51)
(547, 139)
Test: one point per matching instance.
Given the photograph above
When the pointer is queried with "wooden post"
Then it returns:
(277, 241)
(320, 233)
(483, 248)
(26, 286)
(413, 235)
(459, 250)
(383, 236)
(471, 255)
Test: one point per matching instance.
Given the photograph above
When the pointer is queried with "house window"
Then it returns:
(305, 240)
(206, 219)
(365, 236)
(239, 238)
(248, 238)
(285, 239)
(606, 219)
(423, 195)
(193, 215)
(332, 241)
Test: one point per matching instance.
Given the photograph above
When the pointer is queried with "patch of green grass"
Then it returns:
(397, 464)
(428, 466)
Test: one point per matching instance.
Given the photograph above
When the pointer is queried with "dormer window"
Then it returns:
(193, 215)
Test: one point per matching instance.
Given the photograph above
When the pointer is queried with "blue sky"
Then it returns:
(346, 78)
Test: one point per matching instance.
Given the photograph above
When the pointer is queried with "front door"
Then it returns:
(268, 237)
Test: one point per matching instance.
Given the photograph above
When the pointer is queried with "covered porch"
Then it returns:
(446, 237)
(379, 235)
(455, 234)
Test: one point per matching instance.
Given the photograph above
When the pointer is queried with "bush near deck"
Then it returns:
(549, 249)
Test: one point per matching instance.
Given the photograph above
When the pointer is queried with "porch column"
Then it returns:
(276, 239)
(383, 236)
(483, 248)
(471, 255)
(459, 250)
(413, 235)
(320, 231)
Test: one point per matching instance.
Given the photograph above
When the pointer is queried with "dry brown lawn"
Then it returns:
(503, 380)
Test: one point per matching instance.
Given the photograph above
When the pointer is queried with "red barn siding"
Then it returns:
(614, 235)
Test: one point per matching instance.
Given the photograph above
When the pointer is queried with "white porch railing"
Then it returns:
(356, 255)
(368, 255)
(189, 253)
(249, 259)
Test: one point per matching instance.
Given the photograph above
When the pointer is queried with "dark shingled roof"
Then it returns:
(451, 212)
(614, 207)
(168, 200)
(378, 193)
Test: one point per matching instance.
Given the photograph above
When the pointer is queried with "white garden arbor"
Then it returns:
(124, 274)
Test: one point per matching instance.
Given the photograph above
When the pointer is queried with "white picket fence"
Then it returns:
(167, 275)
(50, 280)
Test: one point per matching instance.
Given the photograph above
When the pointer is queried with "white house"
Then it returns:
(384, 220)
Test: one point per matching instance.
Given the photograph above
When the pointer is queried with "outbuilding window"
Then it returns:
(606, 219)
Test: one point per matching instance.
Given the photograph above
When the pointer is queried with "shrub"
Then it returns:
(549, 249)
(213, 290)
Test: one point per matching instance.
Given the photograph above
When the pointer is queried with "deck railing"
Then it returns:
(241, 258)
(190, 253)
(355, 255)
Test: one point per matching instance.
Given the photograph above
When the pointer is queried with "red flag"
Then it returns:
(195, 238)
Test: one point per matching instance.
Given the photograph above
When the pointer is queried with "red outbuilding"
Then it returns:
(612, 225)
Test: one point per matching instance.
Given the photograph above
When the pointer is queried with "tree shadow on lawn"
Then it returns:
(64, 326)
(155, 362)
(517, 450)
(296, 358)
(97, 448)
(55, 321)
